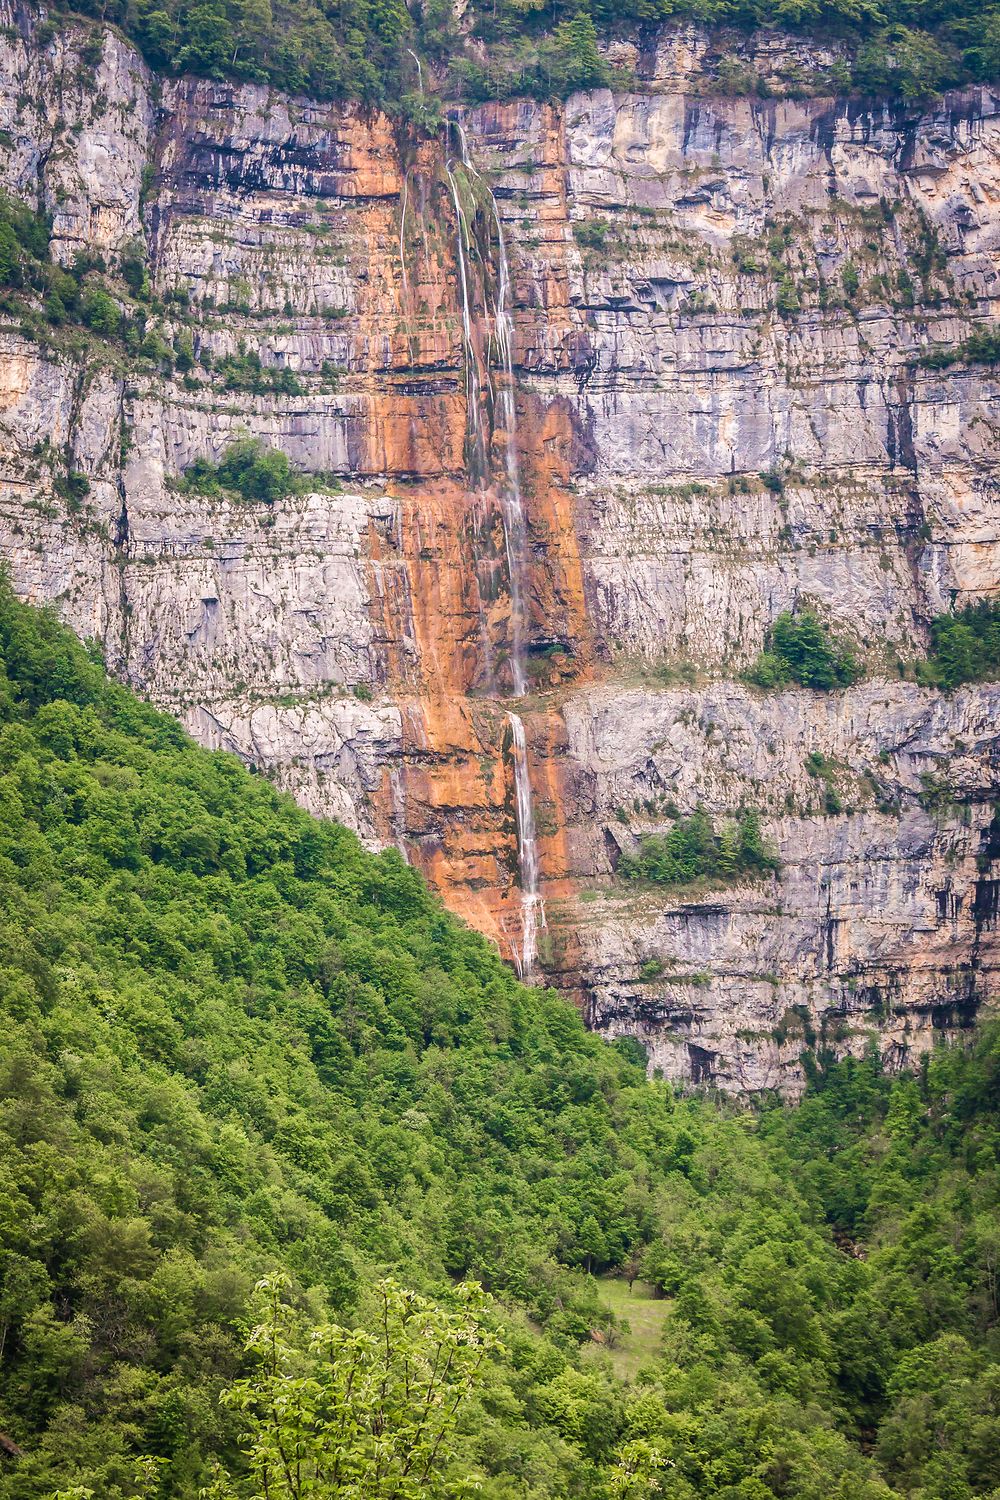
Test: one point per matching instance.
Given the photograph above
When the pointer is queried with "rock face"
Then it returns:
(712, 411)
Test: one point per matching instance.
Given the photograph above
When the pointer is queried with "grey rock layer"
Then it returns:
(721, 300)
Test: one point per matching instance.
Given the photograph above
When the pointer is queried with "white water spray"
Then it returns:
(472, 386)
(532, 909)
(402, 227)
(515, 540)
(513, 506)
(515, 535)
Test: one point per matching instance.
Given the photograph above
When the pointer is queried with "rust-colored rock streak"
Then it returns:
(595, 399)
(440, 568)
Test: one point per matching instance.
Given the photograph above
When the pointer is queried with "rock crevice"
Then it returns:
(714, 325)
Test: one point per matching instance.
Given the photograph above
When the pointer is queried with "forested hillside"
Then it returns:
(368, 49)
(236, 1044)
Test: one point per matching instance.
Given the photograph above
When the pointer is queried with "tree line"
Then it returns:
(364, 49)
(238, 1047)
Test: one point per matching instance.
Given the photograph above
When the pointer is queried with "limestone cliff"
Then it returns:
(591, 393)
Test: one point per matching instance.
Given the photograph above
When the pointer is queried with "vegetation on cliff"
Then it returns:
(965, 647)
(694, 850)
(980, 348)
(86, 305)
(28, 271)
(238, 1046)
(800, 649)
(367, 49)
(248, 469)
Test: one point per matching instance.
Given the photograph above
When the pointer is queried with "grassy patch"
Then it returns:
(645, 1315)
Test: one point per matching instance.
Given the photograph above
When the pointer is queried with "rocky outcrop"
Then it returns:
(718, 306)
(882, 913)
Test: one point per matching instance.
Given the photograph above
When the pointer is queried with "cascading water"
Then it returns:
(532, 910)
(402, 231)
(515, 537)
(472, 386)
(513, 506)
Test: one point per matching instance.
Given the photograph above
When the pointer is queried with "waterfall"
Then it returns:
(420, 71)
(515, 536)
(511, 502)
(513, 506)
(532, 909)
(397, 789)
(402, 228)
(472, 387)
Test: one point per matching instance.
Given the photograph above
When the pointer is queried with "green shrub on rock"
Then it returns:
(801, 650)
(100, 312)
(693, 850)
(248, 468)
(965, 647)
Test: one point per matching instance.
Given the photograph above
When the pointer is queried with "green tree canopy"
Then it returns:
(365, 49)
(237, 1047)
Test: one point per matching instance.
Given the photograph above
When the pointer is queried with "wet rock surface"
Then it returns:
(717, 308)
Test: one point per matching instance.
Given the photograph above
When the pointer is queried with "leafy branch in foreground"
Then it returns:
(236, 1042)
(362, 1414)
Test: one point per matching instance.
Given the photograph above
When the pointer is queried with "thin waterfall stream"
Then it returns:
(532, 908)
(515, 534)
(515, 540)
(402, 232)
(472, 387)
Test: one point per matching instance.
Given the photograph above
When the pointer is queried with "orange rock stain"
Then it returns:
(438, 571)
